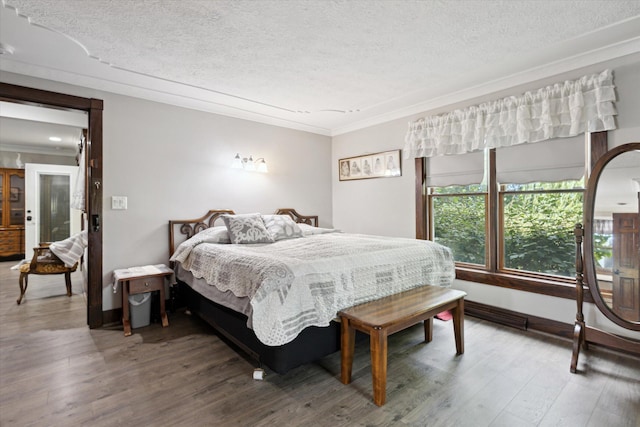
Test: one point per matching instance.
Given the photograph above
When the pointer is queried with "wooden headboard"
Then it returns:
(190, 227)
(300, 219)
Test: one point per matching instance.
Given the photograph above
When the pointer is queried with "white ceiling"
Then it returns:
(33, 137)
(318, 65)
(28, 129)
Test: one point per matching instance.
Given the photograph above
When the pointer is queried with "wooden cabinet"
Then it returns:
(12, 213)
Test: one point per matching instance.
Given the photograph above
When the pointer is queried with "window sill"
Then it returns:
(552, 288)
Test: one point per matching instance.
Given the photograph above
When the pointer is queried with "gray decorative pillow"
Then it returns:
(282, 227)
(247, 228)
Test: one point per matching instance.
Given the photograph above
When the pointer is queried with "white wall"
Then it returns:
(174, 163)
(382, 206)
(386, 206)
(8, 159)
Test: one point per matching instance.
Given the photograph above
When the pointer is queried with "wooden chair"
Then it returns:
(44, 262)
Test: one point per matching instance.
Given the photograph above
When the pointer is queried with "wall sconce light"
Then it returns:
(258, 165)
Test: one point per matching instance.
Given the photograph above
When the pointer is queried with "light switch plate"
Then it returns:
(118, 202)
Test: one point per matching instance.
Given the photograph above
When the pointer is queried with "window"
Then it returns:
(538, 189)
(537, 223)
(459, 221)
(458, 205)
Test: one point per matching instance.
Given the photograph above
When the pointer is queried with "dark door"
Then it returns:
(626, 266)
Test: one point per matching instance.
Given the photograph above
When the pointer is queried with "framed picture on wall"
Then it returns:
(377, 165)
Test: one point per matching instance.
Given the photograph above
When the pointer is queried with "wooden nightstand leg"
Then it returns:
(163, 313)
(127, 328)
(347, 344)
(125, 309)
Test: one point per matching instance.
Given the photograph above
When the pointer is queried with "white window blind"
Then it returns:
(463, 169)
(549, 161)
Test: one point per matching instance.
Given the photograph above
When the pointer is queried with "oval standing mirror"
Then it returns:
(612, 235)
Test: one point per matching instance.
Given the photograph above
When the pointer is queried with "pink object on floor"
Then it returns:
(445, 315)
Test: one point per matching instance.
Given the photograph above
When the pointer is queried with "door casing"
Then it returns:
(94, 172)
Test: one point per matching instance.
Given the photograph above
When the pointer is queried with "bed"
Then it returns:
(277, 297)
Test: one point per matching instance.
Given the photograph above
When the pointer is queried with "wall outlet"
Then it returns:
(118, 202)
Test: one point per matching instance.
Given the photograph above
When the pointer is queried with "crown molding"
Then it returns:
(624, 52)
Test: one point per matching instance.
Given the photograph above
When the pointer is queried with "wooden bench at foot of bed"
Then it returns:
(391, 314)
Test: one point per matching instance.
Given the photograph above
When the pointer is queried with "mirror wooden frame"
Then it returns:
(585, 264)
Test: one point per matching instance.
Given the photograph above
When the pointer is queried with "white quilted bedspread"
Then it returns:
(296, 283)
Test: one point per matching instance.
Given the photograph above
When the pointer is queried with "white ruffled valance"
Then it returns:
(562, 110)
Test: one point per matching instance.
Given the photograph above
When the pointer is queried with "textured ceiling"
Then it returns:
(319, 65)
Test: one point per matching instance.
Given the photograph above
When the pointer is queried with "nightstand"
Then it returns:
(137, 280)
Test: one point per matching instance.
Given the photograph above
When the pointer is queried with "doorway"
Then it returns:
(93, 174)
(49, 215)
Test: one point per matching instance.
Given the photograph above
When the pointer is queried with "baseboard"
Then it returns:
(112, 316)
(471, 308)
(528, 322)
(517, 320)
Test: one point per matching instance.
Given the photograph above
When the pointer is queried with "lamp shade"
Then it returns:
(262, 166)
(249, 165)
(237, 162)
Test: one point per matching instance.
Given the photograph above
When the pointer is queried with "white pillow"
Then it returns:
(282, 227)
(217, 234)
(247, 228)
(309, 230)
(208, 235)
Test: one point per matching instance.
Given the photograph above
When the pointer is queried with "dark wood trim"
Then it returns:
(548, 326)
(94, 210)
(421, 198)
(496, 315)
(25, 94)
(517, 320)
(494, 231)
(598, 146)
(535, 285)
(112, 317)
(94, 108)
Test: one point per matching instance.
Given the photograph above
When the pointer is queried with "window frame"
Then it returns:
(501, 246)
(492, 275)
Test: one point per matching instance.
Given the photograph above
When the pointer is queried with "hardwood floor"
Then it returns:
(54, 371)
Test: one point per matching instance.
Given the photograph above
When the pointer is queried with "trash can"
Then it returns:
(140, 310)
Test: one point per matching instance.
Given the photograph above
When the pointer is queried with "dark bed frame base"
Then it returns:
(312, 344)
